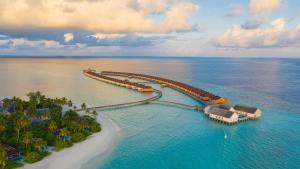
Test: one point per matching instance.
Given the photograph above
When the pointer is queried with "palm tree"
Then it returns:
(94, 113)
(3, 157)
(83, 106)
(18, 104)
(32, 109)
(6, 103)
(63, 132)
(27, 138)
(39, 143)
(2, 125)
(45, 115)
(70, 103)
(32, 96)
(74, 126)
(64, 100)
(21, 122)
(38, 94)
(52, 126)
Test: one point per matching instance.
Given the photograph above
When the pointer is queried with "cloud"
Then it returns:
(252, 24)
(263, 7)
(5, 44)
(275, 36)
(68, 37)
(176, 18)
(105, 16)
(131, 39)
(260, 10)
(44, 38)
(235, 10)
(3, 37)
(23, 44)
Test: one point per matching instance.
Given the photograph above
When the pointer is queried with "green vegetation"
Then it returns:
(32, 126)
(10, 165)
(3, 158)
(34, 156)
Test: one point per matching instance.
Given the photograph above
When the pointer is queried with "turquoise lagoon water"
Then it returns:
(162, 137)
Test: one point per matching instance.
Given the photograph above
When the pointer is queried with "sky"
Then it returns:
(196, 28)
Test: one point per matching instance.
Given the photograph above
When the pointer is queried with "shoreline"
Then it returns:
(80, 153)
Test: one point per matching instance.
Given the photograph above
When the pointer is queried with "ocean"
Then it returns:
(163, 137)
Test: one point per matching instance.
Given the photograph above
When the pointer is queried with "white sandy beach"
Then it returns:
(80, 153)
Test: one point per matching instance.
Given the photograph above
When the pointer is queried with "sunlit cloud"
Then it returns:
(150, 27)
(263, 7)
(68, 37)
(113, 16)
(275, 36)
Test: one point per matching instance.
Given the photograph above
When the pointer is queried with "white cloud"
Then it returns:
(106, 16)
(24, 44)
(68, 37)
(263, 7)
(275, 36)
(101, 36)
(176, 17)
(152, 6)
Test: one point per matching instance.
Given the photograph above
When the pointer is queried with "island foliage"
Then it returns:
(30, 129)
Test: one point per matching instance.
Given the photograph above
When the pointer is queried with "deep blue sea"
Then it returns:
(163, 137)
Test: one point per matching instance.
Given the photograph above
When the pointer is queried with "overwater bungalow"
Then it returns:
(196, 93)
(251, 112)
(118, 82)
(223, 115)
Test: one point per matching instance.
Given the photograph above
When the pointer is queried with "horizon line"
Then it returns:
(139, 57)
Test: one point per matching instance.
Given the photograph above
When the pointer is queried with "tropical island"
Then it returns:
(31, 129)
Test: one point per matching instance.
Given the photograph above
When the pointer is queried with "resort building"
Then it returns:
(2, 110)
(223, 115)
(118, 82)
(196, 93)
(251, 112)
(7, 106)
(12, 153)
(41, 115)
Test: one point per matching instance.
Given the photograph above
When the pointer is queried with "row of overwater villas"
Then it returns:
(118, 82)
(187, 89)
(231, 115)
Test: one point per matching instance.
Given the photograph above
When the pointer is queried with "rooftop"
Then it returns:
(11, 150)
(194, 90)
(118, 80)
(245, 108)
(221, 112)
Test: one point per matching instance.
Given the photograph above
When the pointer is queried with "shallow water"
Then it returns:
(157, 136)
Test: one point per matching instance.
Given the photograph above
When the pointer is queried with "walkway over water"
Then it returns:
(153, 99)
(127, 104)
(180, 105)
